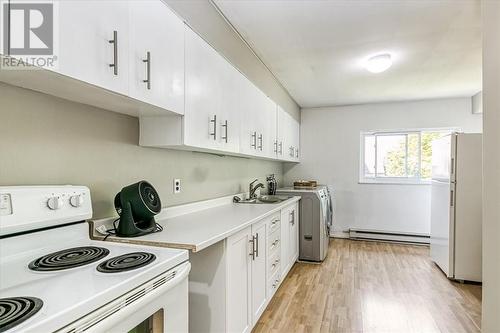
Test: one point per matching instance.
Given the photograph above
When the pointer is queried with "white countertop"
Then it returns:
(198, 230)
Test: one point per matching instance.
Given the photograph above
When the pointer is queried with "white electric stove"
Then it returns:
(53, 278)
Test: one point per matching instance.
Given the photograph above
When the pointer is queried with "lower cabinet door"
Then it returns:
(239, 269)
(285, 240)
(293, 234)
(259, 263)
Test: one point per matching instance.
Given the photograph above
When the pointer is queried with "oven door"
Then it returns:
(158, 306)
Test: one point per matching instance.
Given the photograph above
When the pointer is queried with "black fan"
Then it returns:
(137, 204)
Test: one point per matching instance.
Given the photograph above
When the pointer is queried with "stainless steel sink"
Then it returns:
(265, 199)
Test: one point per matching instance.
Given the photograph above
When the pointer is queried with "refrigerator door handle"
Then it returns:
(452, 198)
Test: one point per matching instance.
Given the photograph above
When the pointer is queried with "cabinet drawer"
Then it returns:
(273, 242)
(274, 262)
(274, 223)
(274, 283)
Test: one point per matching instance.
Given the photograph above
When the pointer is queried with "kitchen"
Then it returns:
(245, 90)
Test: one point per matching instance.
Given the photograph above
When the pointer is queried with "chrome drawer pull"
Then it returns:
(214, 134)
(148, 70)
(114, 41)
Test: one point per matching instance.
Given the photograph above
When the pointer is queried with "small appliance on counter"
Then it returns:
(305, 184)
(272, 184)
(137, 204)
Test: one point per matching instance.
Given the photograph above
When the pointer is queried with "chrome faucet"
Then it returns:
(252, 188)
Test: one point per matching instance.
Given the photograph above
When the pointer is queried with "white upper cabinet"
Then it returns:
(211, 117)
(156, 55)
(282, 130)
(249, 117)
(258, 121)
(288, 131)
(229, 113)
(203, 93)
(296, 139)
(267, 124)
(94, 42)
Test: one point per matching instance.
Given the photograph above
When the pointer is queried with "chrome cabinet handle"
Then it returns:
(276, 146)
(114, 41)
(257, 245)
(291, 151)
(260, 142)
(281, 147)
(254, 140)
(451, 199)
(225, 130)
(148, 70)
(292, 214)
(252, 254)
(297, 152)
(214, 134)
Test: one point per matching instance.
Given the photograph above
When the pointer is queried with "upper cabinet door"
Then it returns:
(296, 139)
(156, 55)
(248, 117)
(229, 114)
(270, 142)
(282, 134)
(265, 113)
(94, 38)
(204, 82)
(288, 136)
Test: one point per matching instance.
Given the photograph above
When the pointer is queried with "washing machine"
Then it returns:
(316, 218)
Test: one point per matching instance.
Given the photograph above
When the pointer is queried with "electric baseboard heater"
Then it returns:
(377, 235)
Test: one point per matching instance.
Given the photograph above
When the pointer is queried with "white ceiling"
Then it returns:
(316, 48)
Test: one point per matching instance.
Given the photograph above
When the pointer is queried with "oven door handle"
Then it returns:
(106, 317)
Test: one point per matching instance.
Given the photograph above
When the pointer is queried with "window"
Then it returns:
(398, 156)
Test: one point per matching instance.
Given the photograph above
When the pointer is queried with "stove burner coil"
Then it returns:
(126, 262)
(68, 258)
(15, 310)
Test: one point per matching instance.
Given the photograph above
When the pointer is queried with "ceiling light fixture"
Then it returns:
(378, 63)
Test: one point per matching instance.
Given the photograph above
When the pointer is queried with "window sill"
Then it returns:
(394, 182)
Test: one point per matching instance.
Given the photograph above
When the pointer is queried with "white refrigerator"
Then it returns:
(456, 205)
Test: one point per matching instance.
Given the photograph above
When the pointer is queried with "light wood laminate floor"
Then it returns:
(372, 287)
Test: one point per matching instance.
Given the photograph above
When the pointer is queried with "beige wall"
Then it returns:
(204, 18)
(491, 171)
(47, 140)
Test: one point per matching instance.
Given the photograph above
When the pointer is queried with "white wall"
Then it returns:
(491, 167)
(330, 154)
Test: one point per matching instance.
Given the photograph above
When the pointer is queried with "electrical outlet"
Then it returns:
(177, 186)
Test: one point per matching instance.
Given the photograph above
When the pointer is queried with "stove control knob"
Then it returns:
(76, 200)
(54, 203)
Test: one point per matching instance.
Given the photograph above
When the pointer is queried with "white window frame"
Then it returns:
(395, 180)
